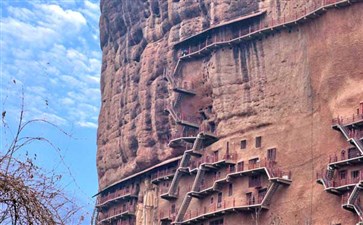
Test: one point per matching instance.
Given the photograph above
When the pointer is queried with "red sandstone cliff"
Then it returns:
(285, 86)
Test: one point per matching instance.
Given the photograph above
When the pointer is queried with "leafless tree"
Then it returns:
(30, 195)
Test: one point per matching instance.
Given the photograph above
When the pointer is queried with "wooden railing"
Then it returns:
(116, 211)
(115, 195)
(170, 215)
(165, 190)
(247, 32)
(335, 183)
(125, 222)
(163, 173)
(209, 158)
(335, 158)
(347, 120)
(223, 205)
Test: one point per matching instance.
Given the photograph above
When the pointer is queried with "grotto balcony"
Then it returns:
(211, 185)
(192, 168)
(235, 205)
(183, 120)
(203, 43)
(208, 138)
(356, 120)
(168, 216)
(116, 197)
(353, 157)
(351, 201)
(162, 175)
(165, 194)
(203, 139)
(268, 167)
(338, 186)
(214, 162)
(129, 221)
(178, 142)
(194, 152)
(274, 175)
(352, 134)
(122, 212)
(186, 88)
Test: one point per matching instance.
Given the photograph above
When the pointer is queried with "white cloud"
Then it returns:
(87, 124)
(91, 10)
(92, 79)
(26, 34)
(67, 101)
(22, 14)
(57, 18)
(52, 52)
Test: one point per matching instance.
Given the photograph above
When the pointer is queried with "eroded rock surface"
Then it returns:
(289, 84)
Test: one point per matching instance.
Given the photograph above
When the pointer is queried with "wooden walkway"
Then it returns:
(264, 28)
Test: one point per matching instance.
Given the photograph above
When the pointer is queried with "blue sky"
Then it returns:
(51, 49)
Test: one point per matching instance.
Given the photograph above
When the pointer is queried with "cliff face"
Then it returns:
(285, 87)
(136, 39)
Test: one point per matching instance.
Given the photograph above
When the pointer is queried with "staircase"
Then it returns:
(270, 192)
(188, 198)
(359, 211)
(353, 140)
(174, 183)
(183, 208)
(169, 79)
(178, 100)
(173, 114)
(343, 129)
(198, 179)
(198, 144)
(352, 203)
(329, 173)
(354, 195)
(357, 143)
(185, 160)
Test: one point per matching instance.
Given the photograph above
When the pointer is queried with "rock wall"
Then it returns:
(285, 87)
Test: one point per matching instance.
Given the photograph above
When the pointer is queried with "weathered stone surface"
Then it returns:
(285, 87)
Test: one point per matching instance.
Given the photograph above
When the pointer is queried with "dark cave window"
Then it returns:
(258, 142)
(243, 144)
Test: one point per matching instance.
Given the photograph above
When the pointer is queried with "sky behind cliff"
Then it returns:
(51, 50)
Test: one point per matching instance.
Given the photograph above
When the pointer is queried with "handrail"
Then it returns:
(347, 120)
(110, 214)
(223, 205)
(271, 171)
(101, 201)
(170, 215)
(339, 182)
(254, 30)
(336, 159)
(163, 173)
